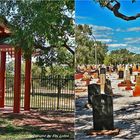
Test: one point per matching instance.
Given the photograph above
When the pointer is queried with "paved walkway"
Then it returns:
(126, 115)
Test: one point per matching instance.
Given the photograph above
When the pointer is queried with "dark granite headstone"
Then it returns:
(108, 82)
(103, 112)
(108, 88)
(137, 67)
(102, 70)
(93, 89)
(131, 71)
(107, 68)
(121, 74)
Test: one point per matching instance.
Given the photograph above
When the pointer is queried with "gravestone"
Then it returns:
(121, 74)
(102, 83)
(93, 89)
(126, 75)
(107, 68)
(137, 67)
(102, 70)
(131, 70)
(108, 88)
(138, 80)
(108, 82)
(103, 112)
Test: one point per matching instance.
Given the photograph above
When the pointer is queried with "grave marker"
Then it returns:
(102, 83)
(136, 91)
(93, 89)
(103, 112)
(103, 71)
(121, 74)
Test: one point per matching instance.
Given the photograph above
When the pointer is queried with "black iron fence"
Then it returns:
(47, 93)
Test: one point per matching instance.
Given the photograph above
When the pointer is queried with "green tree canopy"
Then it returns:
(121, 56)
(39, 24)
(85, 50)
(43, 26)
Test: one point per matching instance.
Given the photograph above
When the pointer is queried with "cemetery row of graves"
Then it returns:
(94, 82)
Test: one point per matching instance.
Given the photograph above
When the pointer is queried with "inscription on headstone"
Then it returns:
(103, 112)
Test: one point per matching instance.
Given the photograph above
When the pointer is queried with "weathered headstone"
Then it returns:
(121, 74)
(136, 91)
(102, 82)
(103, 112)
(102, 70)
(131, 70)
(93, 89)
(137, 66)
(127, 75)
(108, 82)
(108, 88)
(107, 68)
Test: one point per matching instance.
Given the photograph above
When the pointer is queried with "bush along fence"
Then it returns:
(47, 93)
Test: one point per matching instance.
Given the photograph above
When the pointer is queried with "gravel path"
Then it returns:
(126, 115)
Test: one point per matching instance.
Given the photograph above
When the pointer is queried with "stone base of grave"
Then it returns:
(123, 84)
(104, 132)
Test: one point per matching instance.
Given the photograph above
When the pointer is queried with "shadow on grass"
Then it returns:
(36, 124)
(35, 132)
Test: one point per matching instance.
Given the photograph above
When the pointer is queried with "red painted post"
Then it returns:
(27, 84)
(2, 79)
(17, 81)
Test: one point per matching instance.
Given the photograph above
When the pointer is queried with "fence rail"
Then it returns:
(47, 93)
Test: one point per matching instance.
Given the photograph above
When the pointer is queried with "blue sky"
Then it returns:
(109, 29)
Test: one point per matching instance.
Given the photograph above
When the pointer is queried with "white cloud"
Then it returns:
(101, 28)
(117, 45)
(120, 30)
(134, 49)
(105, 40)
(133, 29)
(100, 35)
(132, 40)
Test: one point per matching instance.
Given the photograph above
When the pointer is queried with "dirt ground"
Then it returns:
(46, 125)
(126, 110)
